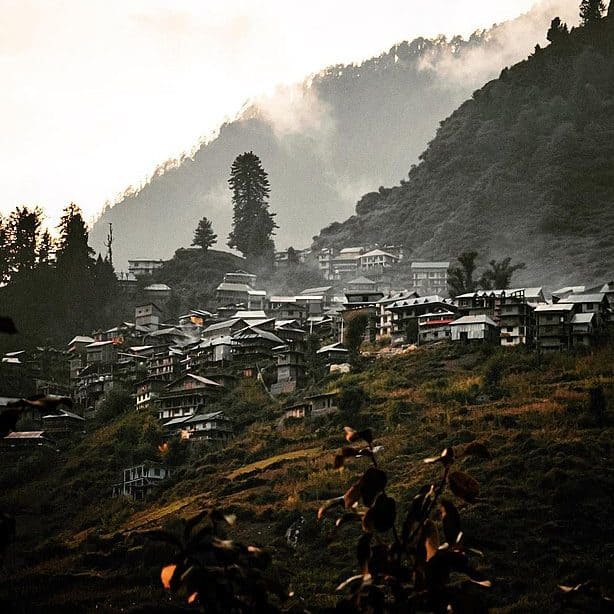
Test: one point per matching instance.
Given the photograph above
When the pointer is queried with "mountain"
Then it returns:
(524, 168)
(323, 142)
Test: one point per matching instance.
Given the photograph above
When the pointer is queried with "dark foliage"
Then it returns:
(204, 237)
(253, 224)
(215, 573)
(402, 565)
(529, 156)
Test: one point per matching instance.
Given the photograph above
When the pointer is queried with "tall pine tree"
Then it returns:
(253, 224)
(75, 272)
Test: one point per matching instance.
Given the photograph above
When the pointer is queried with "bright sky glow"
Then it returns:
(97, 93)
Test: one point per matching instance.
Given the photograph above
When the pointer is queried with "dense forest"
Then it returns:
(323, 142)
(524, 168)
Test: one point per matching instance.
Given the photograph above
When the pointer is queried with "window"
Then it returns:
(510, 329)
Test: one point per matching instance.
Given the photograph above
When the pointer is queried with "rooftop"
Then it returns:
(430, 265)
(477, 319)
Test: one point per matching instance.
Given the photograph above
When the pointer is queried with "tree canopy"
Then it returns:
(204, 237)
(253, 224)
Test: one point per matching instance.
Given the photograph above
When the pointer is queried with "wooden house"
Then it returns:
(141, 480)
(186, 396)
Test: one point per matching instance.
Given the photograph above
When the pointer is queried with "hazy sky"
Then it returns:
(96, 93)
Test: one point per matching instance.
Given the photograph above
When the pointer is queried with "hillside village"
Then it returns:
(178, 368)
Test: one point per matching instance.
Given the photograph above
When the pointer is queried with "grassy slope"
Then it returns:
(543, 517)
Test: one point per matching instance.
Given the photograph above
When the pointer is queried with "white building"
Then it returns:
(377, 260)
(430, 277)
(474, 328)
(142, 267)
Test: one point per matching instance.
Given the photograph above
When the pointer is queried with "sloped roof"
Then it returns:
(231, 286)
(96, 344)
(250, 315)
(26, 435)
(221, 325)
(582, 318)
(421, 300)
(554, 307)
(333, 346)
(430, 265)
(80, 339)
(379, 252)
(361, 280)
(254, 331)
(582, 298)
(318, 290)
(157, 288)
(477, 319)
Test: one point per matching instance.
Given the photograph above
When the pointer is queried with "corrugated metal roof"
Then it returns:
(477, 319)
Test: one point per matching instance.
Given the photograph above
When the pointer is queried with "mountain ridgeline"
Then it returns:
(323, 142)
(524, 168)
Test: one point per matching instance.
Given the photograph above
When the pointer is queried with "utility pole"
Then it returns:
(109, 244)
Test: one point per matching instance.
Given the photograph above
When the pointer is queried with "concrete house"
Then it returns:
(583, 329)
(474, 328)
(377, 261)
(405, 313)
(554, 326)
(148, 316)
(385, 325)
(435, 326)
(430, 277)
(143, 267)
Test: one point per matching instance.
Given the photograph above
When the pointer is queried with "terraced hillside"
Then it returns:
(543, 516)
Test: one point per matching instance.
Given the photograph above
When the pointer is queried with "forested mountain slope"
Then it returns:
(323, 142)
(524, 168)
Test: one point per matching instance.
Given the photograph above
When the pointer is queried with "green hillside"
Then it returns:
(524, 168)
(543, 516)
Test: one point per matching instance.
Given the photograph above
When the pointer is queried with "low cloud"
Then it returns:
(507, 44)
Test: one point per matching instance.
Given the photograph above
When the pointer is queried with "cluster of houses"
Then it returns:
(181, 369)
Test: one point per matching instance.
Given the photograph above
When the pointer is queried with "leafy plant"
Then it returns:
(215, 573)
(403, 566)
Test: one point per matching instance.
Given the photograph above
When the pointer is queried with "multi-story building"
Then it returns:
(554, 326)
(202, 428)
(147, 392)
(147, 316)
(435, 326)
(377, 261)
(479, 328)
(163, 366)
(290, 369)
(140, 480)
(142, 267)
(186, 396)
(385, 324)
(430, 277)
(405, 313)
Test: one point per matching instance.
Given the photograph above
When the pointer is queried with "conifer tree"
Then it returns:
(75, 272)
(591, 11)
(204, 237)
(558, 30)
(253, 223)
(24, 235)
